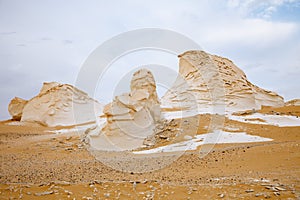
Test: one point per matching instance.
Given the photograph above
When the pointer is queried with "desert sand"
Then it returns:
(39, 164)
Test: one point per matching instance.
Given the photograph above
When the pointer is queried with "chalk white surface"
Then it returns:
(275, 120)
(218, 137)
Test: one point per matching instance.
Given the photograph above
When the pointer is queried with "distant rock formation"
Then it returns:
(206, 81)
(15, 108)
(294, 102)
(57, 105)
(130, 117)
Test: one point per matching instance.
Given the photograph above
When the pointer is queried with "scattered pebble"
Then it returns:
(276, 194)
(221, 195)
(68, 192)
(62, 183)
(43, 193)
(249, 190)
(145, 181)
(69, 138)
(280, 188)
(258, 194)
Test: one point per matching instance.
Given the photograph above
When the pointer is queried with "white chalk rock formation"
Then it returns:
(294, 102)
(61, 105)
(208, 82)
(130, 117)
(15, 108)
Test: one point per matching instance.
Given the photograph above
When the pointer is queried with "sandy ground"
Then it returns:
(38, 164)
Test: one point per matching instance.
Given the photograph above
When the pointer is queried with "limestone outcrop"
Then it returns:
(15, 108)
(56, 105)
(130, 117)
(207, 83)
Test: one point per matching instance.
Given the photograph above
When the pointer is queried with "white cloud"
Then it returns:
(258, 8)
(249, 32)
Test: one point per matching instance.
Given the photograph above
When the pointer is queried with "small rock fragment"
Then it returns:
(43, 193)
(249, 190)
(62, 183)
(68, 192)
(221, 195)
(258, 194)
(276, 194)
(69, 149)
(280, 188)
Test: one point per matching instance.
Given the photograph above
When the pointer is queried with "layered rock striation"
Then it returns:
(210, 83)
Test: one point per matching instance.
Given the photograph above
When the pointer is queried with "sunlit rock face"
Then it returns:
(15, 108)
(207, 83)
(130, 117)
(61, 105)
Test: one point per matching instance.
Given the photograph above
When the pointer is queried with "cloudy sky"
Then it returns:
(49, 40)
